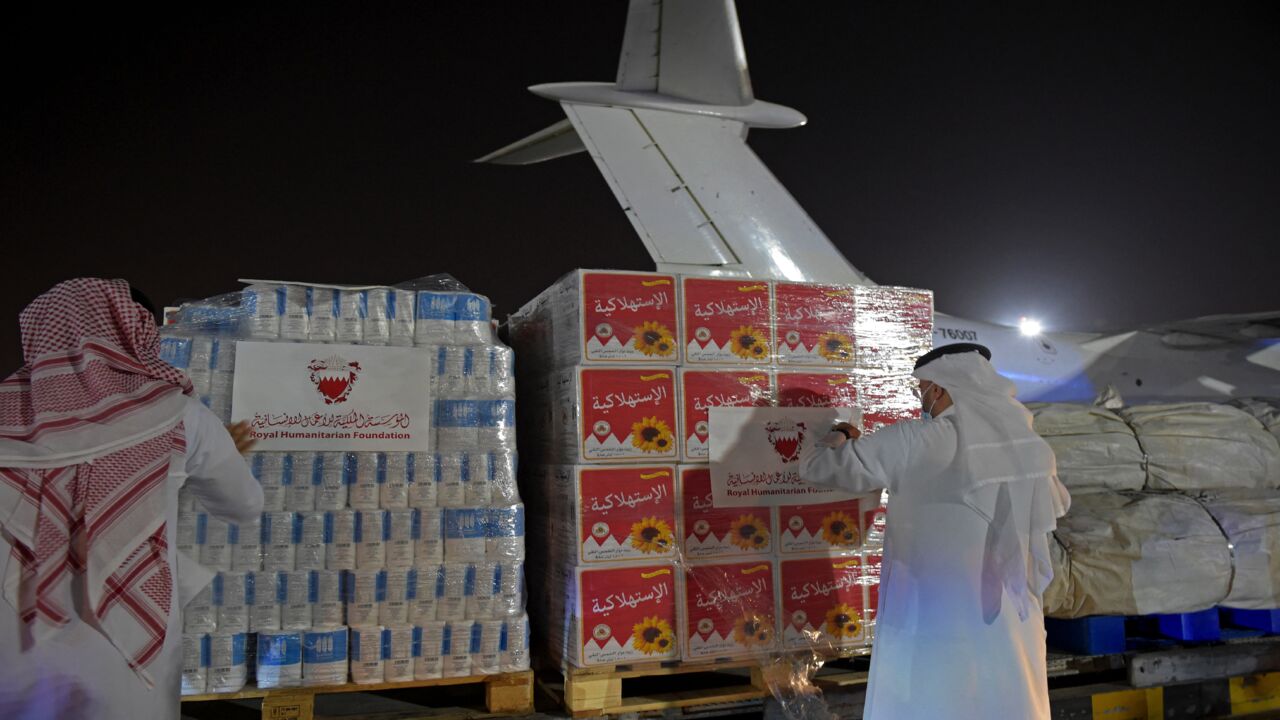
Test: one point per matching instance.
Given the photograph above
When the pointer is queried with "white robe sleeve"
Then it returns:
(217, 474)
(881, 459)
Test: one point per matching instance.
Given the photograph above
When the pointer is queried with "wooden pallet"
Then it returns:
(505, 694)
(618, 689)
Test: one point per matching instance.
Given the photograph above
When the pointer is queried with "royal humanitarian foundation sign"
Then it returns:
(305, 396)
(756, 451)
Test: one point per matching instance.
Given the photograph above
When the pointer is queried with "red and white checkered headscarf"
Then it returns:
(88, 428)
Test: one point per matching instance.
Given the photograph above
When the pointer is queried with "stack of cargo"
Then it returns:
(1175, 509)
(618, 375)
(365, 566)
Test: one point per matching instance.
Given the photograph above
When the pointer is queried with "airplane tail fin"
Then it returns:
(688, 50)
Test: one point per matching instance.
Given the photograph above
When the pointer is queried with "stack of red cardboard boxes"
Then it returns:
(629, 561)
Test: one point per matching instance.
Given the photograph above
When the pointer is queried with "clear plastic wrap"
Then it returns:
(613, 579)
(228, 670)
(356, 539)
(231, 601)
(399, 660)
(195, 663)
(368, 654)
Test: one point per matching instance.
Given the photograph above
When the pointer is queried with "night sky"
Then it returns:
(1097, 166)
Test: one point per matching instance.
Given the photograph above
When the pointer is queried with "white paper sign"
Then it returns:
(311, 396)
(756, 451)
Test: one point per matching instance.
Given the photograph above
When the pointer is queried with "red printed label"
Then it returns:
(727, 321)
(628, 614)
(701, 390)
(823, 603)
(827, 527)
(815, 324)
(729, 610)
(628, 513)
(817, 390)
(629, 317)
(710, 532)
(628, 414)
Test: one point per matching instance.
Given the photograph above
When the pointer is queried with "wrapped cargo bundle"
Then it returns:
(1137, 554)
(633, 561)
(1250, 519)
(1094, 447)
(1204, 446)
(1264, 410)
(369, 549)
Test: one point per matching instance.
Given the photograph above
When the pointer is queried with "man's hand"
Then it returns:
(242, 436)
(844, 427)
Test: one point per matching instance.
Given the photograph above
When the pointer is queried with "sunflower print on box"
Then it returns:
(652, 635)
(835, 347)
(840, 529)
(749, 533)
(749, 343)
(652, 435)
(753, 630)
(842, 622)
(654, 339)
(652, 535)
(831, 528)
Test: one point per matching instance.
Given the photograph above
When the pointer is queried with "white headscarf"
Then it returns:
(996, 446)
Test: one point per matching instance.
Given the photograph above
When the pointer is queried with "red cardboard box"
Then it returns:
(823, 603)
(831, 528)
(624, 614)
(815, 324)
(627, 414)
(629, 317)
(623, 513)
(729, 610)
(701, 390)
(727, 321)
(709, 532)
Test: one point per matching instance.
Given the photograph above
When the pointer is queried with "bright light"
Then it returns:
(1029, 327)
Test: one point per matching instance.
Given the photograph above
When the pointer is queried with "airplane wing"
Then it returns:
(701, 200)
(1247, 327)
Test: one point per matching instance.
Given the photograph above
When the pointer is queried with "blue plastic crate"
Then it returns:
(1268, 621)
(1094, 635)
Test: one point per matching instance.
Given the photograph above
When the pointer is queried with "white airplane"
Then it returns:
(669, 136)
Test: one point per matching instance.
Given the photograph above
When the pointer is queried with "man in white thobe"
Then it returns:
(973, 493)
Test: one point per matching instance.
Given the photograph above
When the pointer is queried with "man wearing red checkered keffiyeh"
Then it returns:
(96, 435)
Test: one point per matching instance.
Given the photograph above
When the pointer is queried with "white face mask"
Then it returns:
(927, 413)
